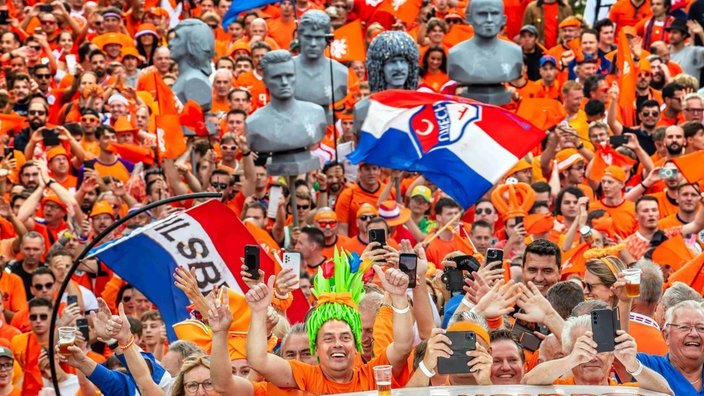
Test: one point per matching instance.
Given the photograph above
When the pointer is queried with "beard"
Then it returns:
(674, 149)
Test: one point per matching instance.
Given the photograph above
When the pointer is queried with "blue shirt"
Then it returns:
(112, 383)
(679, 384)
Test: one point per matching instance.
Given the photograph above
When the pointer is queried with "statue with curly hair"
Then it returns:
(313, 68)
(392, 63)
(193, 48)
(483, 63)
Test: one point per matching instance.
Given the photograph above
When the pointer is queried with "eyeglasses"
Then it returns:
(225, 147)
(44, 76)
(453, 21)
(213, 26)
(484, 211)
(48, 22)
(589, 286)
(330, 223)
(303, 207)
(35, 47)
(6, 366)
(690, 110)
(46, 286)
(37, 112)
(220, 186)
(366, 217)
(649, 113)
(89, 120)
(42, 317)
(192, 387)
(126, 298)
(644, 74)
(686, 328)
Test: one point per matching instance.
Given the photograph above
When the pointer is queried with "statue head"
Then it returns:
(279, 74)
(312, 28)
(392, 62)
(486, 17)
(193, 45)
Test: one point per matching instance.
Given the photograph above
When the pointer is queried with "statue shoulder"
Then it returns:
(338, 67)
(310, 108)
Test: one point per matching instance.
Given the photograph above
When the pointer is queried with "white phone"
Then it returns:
(293, 260)
(71, 63)
(275, 195)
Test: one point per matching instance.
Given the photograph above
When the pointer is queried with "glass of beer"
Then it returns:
(382, 375)
(633, 278)
(67, 337)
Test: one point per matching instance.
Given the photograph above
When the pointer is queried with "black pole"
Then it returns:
(330, 38)
(91, 244)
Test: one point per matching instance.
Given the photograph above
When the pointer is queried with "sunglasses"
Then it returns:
(484, 211)
(603, 90)
(220, 186)
(89, 120)
(331, 223)
(644, 74)
(453, 21)
(44, 76)
(649, 113)
(126, 298)
(42, 317)
(213, 26)
(589, 286)
(225, 147)
(46, 286)
(48, 22)
(366, 217)
(197, 359)
(37, 112)
(690, 110)
(303, 207)
(35, 47)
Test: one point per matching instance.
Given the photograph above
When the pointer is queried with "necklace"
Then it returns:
(694, 382)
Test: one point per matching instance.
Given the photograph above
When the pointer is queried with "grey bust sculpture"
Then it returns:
(193, 48)
(313, 68)
(484, 62)
(392, 63)
(286, 126)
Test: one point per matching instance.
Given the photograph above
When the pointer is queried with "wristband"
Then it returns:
(581, 146)
(323, 191)
(402, 310)
(247, 154)
(129, 343)
(279, 296)
(466, 303)
(50, 182)
(428, 373)
(643, 185)
(638, 370)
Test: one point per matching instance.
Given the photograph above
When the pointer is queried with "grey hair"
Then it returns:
(694, 95)
(651, 281)
(298, 328)
(686, 304)
(386, 46)
(586, 307)
(468, 316)
(274, 57)
(574, 322)
(677, 293)
(186, 349)
(222, 71)
(371, 301)
(316, 20)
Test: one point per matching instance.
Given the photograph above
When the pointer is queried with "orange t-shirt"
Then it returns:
(255, 84)
(665, 206)
(550, 12)
(282, 32)
(14, 297)
(676, 120)
(670, 221)
(623, 214)
(329, 250)
(624, 13)
(530, 90)
(438, 249)
(552, 92)
(570, 381)
(648, 337)
(354, 244)
(351, 199)
(436, 81)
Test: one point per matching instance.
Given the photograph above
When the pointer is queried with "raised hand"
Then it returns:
(219, 315)
(100, 320)
(480, 365)
(536, 307)
(120, 326)
(186, 282)
(285, 281)
(498, 301)
(394, 281)
(583, 350)
(626, 350)
(259, 297)
(438, 346)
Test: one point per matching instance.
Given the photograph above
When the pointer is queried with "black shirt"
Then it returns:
(644, 139)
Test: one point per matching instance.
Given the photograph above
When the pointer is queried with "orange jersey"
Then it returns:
(439, 248)
(666, 206)
(350, 200)
(624, 13)
(623, 214)
(254, 83)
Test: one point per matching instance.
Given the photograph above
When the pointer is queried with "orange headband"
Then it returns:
(340, 298)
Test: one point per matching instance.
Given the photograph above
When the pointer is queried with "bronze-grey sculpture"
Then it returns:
(286, 127)
(313, 68)
(193, 48)
(392, 63)
(484, 62)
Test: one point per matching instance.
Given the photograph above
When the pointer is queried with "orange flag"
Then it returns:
(133, 152)
(607, 156)
(691, 274)
(170, 140)
(457, 34)
(627, 80)
(690, 166)
(407, 10)
(673, 252)
(9, 122)
(348, 44)
(544, 113)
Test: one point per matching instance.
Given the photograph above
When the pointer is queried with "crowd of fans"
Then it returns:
(601, 194)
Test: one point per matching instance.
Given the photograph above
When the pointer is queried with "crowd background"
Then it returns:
(611, 187)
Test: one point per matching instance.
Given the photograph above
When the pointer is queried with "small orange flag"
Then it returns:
(170, 140)
(544, 113)
(348, 44)
(627, 80)
(690, 166)
(691, 274)
(605, 157)
(673, 252)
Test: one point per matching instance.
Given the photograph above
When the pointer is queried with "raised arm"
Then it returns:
(395, 283)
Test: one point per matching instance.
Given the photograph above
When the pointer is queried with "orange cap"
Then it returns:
(240, 45)
(520, 166)
(55, 199)
(55, 152)
(158, 11)
(325, 214)
(111, 38)
(644, 65)
(538, 223)
(123, 125)
(102, 207)
(469, 326)
(615, 172)
(570, 22)
(566, 158)
(129, 51)
(367, 209)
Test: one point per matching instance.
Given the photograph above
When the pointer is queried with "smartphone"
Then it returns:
(293, 260)
(453, 279)
(495, 256)
(46, 8)
(524, 332)
(89, 165)
(605, 322)
(9, 152)
(462, 342)
(251, 260)
(466, 263)
(50, 137)
(4, 16)
(82, 324)
(275, 195)
(618, 140)
(71, 63)
(408, 263)
(519, 220)
(377, 235)
(71, 299)
(38, 30)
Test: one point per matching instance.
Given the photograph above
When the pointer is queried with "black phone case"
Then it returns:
(605, 322)
(71, 299)
(410, 272)
(377, 235)
(251, 260)
(82, 325)
(462, 342)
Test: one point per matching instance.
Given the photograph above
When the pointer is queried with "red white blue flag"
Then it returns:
(208, 237)
(461, 145)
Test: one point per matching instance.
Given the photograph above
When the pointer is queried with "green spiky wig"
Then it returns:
(338, 286)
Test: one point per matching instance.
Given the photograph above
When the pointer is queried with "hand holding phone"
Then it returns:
(462, 342)
(292, 260)
(251, 260)
(605, 323)
(377, 235)
(408, 264)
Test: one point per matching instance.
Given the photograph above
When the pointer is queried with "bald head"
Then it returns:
(258, 27)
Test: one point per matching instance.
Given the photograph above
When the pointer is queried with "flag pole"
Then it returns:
(329, 38)
(447, 226)
(98, 238)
